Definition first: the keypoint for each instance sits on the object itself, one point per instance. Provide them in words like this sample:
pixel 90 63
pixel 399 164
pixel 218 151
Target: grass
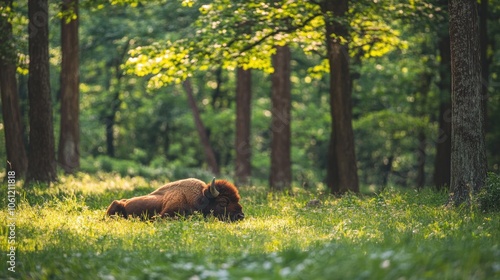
pixel 61 233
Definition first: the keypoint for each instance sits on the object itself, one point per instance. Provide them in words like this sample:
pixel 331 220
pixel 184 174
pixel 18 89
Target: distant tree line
pixel 220 49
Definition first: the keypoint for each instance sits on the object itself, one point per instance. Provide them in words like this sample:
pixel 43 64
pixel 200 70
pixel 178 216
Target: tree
pixel 423 92
pixel 485 57
pixel 342 171
pixel 14 144
pixel 200 127
pixel 69 140
pixel 243 121
pixel 41 159
pixel 468 150
pixel 443 143
pixel 431 16
pixel 244 34
pixel 113 86
pixel 281 173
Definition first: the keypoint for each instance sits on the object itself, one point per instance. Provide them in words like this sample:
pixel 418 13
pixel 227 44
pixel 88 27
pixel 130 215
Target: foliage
pixel 489 196
pixel 387 134
pixel 16 47
pixel 158 169
pixel 229 34
pixel 61 233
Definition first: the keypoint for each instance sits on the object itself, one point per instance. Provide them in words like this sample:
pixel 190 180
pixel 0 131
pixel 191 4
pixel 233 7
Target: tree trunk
pixel 468 151
pixel 421 108
pixel 281 171
pixel 443 143
pixel 243 122
pixel 342 171
pixel 14 144
pixel 109 127
pixel 386 171
pixel 421 157
pixel 69 141
pixel 113 66
pixel 485 59
pixel 110 116
pixel 41 159
pixel 207 148
pixel 216 95
pixel 110 119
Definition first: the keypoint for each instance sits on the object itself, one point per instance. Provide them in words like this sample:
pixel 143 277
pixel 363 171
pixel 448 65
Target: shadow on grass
pixel 94 201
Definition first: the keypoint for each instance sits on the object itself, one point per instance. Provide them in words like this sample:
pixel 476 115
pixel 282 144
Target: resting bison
pixel 183 197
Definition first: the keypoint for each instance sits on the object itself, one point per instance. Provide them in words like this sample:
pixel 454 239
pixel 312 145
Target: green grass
pixel 61 233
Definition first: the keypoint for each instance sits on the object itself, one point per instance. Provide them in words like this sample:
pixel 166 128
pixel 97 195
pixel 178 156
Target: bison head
pixel 223 201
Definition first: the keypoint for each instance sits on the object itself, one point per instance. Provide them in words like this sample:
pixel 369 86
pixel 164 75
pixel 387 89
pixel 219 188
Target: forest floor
pixel 61 233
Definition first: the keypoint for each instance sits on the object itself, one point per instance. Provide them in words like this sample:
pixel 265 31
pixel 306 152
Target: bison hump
pixel 190 185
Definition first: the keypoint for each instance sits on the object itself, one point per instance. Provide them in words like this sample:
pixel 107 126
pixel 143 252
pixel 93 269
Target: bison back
pixel 183 196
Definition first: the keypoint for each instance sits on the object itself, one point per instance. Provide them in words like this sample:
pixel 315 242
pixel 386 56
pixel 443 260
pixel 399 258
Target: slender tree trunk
pixel 386 171
pixel 216 95
pixel 468 151
pixel 342 171
pixel 110 118
pixel 109 127
pixel 69 140
pixel 110 122
pixel 207 148
pixel 281 170
pixel 485 59
pixel 443 143
pixel 421 157
pixel 22 90
pixel 41 159
pixel 243 122
pixel 14 144
pixel 421 108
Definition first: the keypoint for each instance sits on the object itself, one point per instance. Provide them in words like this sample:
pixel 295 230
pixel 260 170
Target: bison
pixel 183 197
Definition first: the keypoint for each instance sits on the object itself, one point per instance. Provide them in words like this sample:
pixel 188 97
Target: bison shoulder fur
pixel 183 197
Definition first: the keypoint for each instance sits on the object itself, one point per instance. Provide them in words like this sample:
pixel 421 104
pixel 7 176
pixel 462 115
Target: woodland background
pixel 136 122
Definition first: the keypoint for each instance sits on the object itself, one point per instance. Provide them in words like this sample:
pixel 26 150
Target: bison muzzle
pixel 184 197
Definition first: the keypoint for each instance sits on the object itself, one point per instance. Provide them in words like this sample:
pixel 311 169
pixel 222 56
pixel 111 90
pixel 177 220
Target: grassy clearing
pixel 61 233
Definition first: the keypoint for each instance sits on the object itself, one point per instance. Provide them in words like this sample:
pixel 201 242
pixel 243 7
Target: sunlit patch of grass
pixel 62 233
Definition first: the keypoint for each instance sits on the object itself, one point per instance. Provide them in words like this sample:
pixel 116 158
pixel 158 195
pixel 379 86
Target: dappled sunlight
pixel 342 124
pixel 86 183
pixel 281 235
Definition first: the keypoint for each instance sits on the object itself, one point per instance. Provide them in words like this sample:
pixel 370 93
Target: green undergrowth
pixel 62 233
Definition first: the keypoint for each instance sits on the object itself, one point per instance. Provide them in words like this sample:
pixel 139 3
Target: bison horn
pixel 213 189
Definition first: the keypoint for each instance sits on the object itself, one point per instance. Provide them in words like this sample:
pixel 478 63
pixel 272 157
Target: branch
pixel 276 32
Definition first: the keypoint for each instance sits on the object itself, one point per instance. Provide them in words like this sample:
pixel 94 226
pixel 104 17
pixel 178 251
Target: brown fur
pixel 182 197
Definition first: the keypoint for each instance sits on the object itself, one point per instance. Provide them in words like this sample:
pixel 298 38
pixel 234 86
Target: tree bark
pixel 421 105
pixel 342 171
pixel 485 59
pixel 443 143
pixel 69 138
pixel 243 122
pixel 113 67
pixel 41 159
pixel 14 144
pixel 421 157
pixel 216 95
pixel 386 171
pixel 207 148
pixel 110 122
pixel 468 151
pixel 281 170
